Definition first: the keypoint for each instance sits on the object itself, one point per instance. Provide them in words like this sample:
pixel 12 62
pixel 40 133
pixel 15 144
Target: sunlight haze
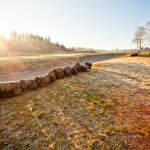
pixel 103 24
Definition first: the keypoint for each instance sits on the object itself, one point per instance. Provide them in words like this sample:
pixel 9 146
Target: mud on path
pixel 106 108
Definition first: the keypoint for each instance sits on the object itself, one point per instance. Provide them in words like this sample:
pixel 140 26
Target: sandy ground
pixel 106 108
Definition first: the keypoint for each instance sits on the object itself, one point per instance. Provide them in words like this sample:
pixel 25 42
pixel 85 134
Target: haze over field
pixel 101 24
pixel 75 75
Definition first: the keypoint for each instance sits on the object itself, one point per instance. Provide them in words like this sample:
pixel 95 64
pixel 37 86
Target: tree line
pixel 29 37
pixel 142 37
pixel 30 42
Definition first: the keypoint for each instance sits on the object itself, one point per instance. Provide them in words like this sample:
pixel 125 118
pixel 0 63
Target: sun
pixel 5 33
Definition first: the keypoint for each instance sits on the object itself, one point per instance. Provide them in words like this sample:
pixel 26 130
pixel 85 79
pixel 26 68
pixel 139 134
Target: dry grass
pixel 106 108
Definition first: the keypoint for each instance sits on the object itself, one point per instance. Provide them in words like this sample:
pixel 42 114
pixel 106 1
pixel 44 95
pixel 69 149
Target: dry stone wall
pixel 16 88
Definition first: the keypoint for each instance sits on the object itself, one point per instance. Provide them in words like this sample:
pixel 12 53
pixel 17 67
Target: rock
pixel 78 67
pixel 16 92
pixel 6 89
pixel 89 64
pixel 57 70
pixel 14 85
pixel 38 81
pixel 77 63
pixel 25 84
pixel 134 54
pixel 33 86
pixel 67 71
pixel 2 88
pixel 44 80
pixel 59 73
pixel 52 77
pixel 84 68
pixel 16 88
pixel 74 70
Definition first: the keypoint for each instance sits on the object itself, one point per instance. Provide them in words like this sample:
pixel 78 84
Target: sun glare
pixel 5 33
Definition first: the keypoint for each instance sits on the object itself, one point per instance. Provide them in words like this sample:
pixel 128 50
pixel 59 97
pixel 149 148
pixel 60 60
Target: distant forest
pixel 31 43
pixel 28 43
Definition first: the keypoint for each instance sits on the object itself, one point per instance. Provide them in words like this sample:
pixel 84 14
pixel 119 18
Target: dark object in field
pixel 16 88
pixel 89 64
pixel 10 89
pixel 67 71
pixel 134 54
pixel 59 73
pixel 78 66
pixel 23 85
pixel 74 70
pixel 44 80
pixel 28 85
pixel 33 85
pixel 84 68
pixel 17 92
pixel 38 81
pixel 52 77
pixel 77 63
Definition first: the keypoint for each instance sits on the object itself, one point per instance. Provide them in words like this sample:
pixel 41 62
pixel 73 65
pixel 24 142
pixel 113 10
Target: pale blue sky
pixel 104 24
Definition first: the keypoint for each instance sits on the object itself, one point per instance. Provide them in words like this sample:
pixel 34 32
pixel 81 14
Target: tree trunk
pixel 140 45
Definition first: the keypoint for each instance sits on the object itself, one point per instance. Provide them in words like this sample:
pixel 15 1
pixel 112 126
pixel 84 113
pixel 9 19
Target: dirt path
pixel 28 67
pixel 106 108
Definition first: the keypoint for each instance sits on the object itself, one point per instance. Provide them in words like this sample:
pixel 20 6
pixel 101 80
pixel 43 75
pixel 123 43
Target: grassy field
pixel 106 108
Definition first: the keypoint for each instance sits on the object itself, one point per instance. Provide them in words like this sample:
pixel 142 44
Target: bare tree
pixel 139 37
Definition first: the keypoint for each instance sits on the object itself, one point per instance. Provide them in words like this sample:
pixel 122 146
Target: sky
pixel 99 24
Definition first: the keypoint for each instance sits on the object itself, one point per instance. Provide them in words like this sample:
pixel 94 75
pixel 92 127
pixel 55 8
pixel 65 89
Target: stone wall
pixel 9 89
